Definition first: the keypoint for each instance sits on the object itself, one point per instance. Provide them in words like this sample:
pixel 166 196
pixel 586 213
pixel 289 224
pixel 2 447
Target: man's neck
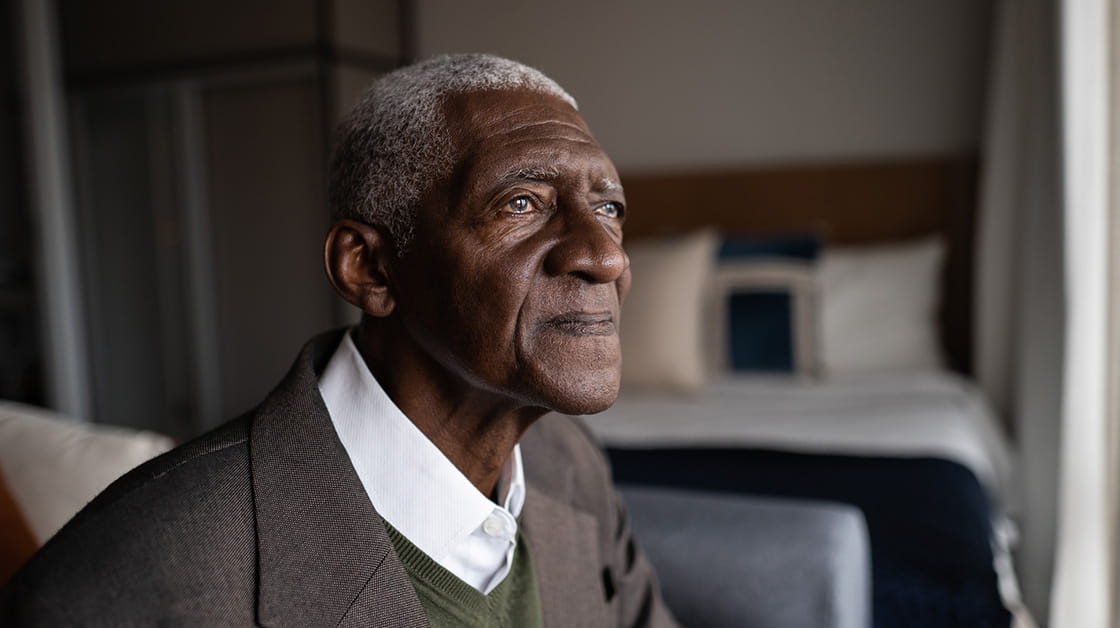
pixel 476 429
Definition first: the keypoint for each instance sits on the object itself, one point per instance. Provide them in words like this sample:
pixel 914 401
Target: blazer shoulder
pixel 213 454
pixel 182 521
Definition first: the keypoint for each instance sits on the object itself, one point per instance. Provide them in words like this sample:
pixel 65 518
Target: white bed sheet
pixel 936 414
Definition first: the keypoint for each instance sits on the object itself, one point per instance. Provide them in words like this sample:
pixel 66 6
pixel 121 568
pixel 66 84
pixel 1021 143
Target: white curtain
pixel 1019 298
pixel 1084 577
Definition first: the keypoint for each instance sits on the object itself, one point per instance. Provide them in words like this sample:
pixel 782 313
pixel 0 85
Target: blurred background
pixel 191 138
pixel 162 172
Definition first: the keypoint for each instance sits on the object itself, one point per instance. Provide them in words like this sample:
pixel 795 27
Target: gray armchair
pixel 740 561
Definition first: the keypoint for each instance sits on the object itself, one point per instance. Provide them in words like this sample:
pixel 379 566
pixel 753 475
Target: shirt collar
pixel 411 483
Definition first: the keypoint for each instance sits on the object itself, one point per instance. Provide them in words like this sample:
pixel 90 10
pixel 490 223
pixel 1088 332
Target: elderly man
pixel 401 474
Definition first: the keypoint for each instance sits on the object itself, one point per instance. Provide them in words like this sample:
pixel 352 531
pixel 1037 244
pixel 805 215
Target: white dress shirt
pixel 413 485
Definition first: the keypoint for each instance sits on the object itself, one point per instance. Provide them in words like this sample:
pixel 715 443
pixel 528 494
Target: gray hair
pixel 395 142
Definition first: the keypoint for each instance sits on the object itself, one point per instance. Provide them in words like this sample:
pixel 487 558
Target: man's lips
pixel 583 323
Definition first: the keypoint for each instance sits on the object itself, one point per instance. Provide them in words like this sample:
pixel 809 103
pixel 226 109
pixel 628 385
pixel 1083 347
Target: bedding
pixel 778 304
pixel 935 414
pixel 662 316
pixel 878 307
pixel 762 299
pixel 919 453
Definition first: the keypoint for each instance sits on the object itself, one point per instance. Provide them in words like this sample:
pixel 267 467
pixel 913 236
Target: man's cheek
pixel 622 284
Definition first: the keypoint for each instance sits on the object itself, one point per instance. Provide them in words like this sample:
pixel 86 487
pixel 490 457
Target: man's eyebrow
pixel 532 173
pixel 551 173
pixel 606 184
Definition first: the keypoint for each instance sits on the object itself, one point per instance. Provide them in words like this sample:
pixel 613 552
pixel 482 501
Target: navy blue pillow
pixel 760 331
pixel 760 327
pixel 802 247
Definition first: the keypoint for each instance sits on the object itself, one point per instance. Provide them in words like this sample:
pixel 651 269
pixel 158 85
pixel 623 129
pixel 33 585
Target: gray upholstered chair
pixel 740 561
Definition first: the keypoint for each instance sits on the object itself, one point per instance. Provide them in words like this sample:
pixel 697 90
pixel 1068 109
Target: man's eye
pixel 520 205
pixel 610 210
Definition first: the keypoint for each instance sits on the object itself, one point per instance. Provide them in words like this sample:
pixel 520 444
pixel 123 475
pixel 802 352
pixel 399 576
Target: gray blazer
pixel 264 521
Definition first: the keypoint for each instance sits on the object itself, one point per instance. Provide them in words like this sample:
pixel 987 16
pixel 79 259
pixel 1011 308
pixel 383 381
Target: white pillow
pixel 663 315
pixel 878 307
pixel 54 466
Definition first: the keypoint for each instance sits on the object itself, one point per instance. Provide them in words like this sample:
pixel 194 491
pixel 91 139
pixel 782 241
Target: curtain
pixel 1019 299
pixel 1085 571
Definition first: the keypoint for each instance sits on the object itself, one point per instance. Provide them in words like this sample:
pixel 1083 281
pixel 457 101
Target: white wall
pixel 668 84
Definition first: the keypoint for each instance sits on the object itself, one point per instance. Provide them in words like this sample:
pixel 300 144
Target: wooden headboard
pixel 845 203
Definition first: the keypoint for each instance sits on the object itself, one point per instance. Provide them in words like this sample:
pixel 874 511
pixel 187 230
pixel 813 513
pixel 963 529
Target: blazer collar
pixel 564 545
pixel 324 556
pixel 563 539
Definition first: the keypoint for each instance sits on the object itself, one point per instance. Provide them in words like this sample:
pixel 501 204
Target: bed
pixel 920 455
pixel 805 332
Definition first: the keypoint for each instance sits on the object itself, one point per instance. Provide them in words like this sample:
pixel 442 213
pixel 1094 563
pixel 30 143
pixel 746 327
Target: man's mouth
pixel 584 324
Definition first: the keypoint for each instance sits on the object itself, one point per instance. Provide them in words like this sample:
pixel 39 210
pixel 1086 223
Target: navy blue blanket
pixel 928 520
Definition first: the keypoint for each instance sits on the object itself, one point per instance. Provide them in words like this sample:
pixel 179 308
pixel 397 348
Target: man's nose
pixel 587 248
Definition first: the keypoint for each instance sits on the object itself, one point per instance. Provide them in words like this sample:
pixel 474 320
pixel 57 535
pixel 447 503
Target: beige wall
pixel 669 84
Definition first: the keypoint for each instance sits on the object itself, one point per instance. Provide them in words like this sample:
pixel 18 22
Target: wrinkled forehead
pixel 476 116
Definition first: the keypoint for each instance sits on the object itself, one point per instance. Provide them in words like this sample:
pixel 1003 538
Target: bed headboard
pixel 845 203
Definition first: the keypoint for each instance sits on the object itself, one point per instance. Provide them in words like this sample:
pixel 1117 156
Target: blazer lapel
pixel 565 550
pixel 324 556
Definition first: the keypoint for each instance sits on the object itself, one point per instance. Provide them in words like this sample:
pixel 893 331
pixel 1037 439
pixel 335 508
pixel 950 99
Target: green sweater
pixel 449 602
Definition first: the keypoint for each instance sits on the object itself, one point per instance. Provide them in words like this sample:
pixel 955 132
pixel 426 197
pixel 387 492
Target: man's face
pixel 514 282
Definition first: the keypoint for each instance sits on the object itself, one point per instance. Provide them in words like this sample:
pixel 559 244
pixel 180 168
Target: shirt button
pixel 493 526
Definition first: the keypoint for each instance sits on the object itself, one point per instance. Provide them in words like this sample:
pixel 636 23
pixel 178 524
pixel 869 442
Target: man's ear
pixel 356 257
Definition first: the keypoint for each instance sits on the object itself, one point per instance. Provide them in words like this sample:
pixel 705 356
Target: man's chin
pixel 586 401
pixel 573 386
